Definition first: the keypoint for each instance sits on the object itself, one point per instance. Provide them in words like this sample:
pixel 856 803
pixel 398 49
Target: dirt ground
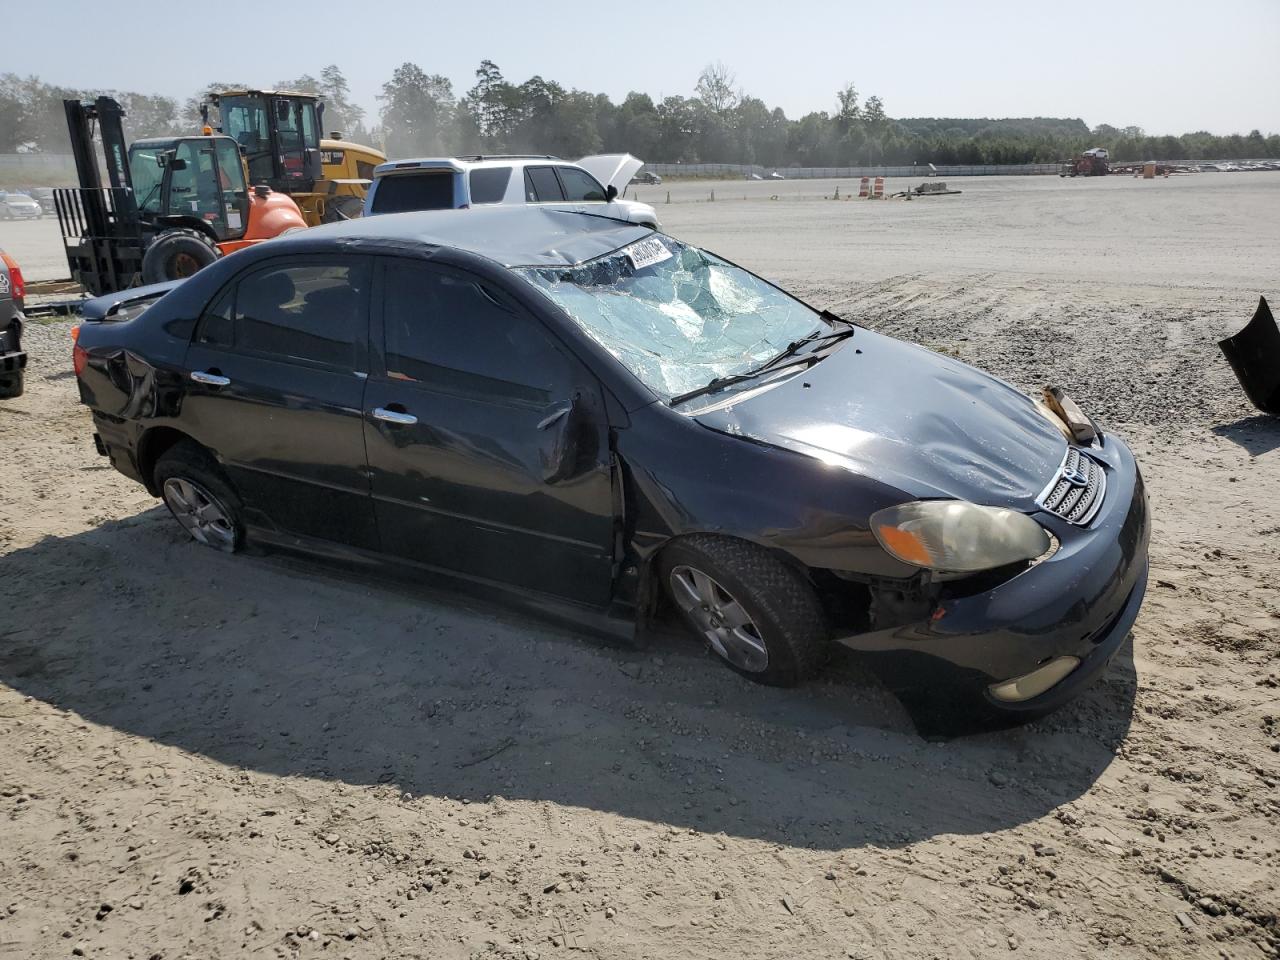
pixel 206 756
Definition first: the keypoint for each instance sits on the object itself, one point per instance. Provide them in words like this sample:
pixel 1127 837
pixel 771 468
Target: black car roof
pixel 511 236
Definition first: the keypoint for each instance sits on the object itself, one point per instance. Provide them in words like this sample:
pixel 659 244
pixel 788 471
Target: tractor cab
pixel 278 133
pixel 181 179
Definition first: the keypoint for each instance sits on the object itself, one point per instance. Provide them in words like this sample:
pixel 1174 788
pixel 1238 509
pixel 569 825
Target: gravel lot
pixel 208 756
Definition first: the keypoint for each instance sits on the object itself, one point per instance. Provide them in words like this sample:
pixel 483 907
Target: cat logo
pixel 331 157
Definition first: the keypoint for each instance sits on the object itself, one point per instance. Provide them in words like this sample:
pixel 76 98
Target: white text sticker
pixel 647 252
pixel 4 283
pixel 233 219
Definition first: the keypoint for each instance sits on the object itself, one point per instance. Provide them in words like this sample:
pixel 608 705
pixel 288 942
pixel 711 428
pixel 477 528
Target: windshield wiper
pixel 718 383
pixel 792 348
pixel 789 352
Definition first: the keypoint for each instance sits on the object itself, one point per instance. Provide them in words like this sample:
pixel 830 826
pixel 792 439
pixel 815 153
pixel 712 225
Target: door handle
pixel 394 416
pixel 211 379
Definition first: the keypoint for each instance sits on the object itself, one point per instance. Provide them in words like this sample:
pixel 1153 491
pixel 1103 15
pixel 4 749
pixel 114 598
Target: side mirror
pixel 570 440
pixel 610 192
pixel 282 111
pixel 177 163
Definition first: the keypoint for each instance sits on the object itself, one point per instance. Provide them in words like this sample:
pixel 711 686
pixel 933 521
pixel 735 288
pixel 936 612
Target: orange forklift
pixel 172 205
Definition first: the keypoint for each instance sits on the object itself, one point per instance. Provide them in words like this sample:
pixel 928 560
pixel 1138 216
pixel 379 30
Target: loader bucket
pixel 1254 355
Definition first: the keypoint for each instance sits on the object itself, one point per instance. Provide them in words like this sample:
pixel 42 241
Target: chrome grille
pixel 1075 494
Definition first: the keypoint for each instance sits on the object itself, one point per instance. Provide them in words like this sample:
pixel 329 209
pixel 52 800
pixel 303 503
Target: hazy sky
pixel 1169 66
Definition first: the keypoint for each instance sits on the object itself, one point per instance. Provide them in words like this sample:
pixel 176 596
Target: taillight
pixel 79 359
pixel 18 285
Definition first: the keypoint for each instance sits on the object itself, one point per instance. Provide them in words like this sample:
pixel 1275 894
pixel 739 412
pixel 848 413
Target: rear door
pixel 462 406
pixel 276 382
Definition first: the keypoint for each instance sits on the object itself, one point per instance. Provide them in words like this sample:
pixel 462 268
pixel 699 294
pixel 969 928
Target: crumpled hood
pixel 916 420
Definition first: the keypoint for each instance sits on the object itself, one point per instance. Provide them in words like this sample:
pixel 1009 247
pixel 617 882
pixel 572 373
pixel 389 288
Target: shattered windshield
pixel 676 316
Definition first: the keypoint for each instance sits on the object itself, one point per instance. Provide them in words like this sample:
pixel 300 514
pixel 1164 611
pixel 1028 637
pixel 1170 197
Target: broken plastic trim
pixel 1254 355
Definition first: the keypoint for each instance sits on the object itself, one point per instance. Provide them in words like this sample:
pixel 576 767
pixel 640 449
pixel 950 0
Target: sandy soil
pixel 207 756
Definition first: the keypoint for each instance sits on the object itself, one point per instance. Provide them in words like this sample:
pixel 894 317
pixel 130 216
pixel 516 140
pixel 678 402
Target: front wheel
pixel 758 615
pixel 199 497
pixel 11 385
pixel 176 254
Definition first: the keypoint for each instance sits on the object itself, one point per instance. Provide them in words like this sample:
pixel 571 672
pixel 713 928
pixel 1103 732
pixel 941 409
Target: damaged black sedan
pixel 574 408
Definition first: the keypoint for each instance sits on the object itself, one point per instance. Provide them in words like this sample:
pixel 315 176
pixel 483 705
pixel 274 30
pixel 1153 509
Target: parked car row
pixel 1238 167
pixel 583 411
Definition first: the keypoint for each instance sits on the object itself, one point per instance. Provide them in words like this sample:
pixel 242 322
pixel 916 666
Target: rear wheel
pixel 176 254
pixel 757 614
pixel 11 385
pixel 199 497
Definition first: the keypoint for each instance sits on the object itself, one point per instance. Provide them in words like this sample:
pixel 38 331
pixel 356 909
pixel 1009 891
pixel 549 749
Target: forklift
pixel 172 205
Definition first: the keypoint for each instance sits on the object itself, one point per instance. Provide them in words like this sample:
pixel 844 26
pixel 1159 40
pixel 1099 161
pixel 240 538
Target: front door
pixel 566 188
pixel 460 425
pixel 277 375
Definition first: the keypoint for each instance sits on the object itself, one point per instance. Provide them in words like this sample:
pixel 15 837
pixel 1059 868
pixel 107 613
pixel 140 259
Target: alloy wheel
pixel 200 513
pixel 720 618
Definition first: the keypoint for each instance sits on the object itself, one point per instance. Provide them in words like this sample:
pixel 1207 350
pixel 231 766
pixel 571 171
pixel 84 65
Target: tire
pixel 176 254
pixel 200 497
pixel 784 639
pixel 11 385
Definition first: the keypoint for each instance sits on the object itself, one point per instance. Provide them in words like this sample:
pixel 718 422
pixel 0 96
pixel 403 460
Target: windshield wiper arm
pixel 789 352
pixel 718 383
pixel 794 346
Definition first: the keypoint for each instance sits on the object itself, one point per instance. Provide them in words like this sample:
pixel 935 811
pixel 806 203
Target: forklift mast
pixel 100 225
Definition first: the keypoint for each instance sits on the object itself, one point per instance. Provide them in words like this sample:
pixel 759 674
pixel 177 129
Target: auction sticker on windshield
pixel 647 252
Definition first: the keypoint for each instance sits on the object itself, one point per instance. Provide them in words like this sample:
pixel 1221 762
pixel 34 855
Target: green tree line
pixel 421 114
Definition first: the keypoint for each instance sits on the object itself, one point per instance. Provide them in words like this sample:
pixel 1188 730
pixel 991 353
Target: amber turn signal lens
pixel 905 545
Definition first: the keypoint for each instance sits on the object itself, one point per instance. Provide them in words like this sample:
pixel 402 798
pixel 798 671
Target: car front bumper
pixel 1081 603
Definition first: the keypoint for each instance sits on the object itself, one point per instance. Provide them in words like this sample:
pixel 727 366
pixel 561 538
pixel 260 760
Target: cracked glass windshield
pixel 676 316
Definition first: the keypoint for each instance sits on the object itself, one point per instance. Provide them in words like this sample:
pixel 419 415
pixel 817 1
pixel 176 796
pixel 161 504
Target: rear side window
pixel 402 192
pixel 489 184
pixel 311 313
pixel 447 330
pixel 580 185
pixel 541 185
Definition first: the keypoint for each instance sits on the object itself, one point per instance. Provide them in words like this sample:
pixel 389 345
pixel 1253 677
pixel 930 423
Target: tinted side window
pixel 216 327
pixel 580 185
pixel 541 185
pixel 401 192
pixel 313 313
pixel 489 184
pixel 447 330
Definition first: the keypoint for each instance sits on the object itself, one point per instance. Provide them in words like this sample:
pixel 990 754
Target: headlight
pixel 957 536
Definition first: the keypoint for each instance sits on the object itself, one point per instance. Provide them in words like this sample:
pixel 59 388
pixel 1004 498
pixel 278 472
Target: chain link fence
pixel 738 171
